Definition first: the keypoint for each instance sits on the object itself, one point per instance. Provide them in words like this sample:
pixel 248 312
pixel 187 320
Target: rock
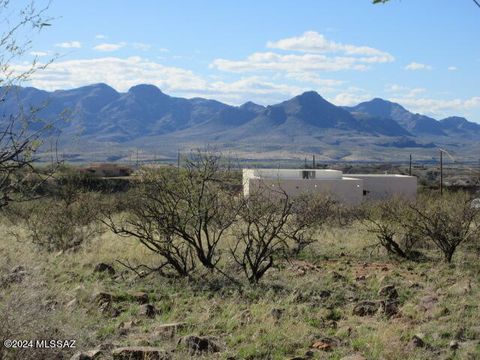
pixel 277 313
pixel 389 308
pixel 197 344
pixel 365 308
pixel 326 344
pixel 16 276
pixel 337 276
pixel 106 347
pixel 416 342
pixel 325 294
pixel 354 357
pixel 389 292
pixel 88 355
pixel 105 304
pixel 140 297
pixel 140 353
pixel 309 354
pixel 454 345
pixel 428 302
pixel 125 326
pixel 104 268
pixel 102 297
pixel 169 329
pixel 148 310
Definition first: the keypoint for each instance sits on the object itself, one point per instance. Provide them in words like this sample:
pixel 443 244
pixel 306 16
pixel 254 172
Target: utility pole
pixel 305 163
pixel 441 172
pixel 410 166
pixel 178 158
pixel 314 162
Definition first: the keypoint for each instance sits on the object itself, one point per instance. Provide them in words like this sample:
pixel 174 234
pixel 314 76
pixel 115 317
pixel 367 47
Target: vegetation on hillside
pixel 182 263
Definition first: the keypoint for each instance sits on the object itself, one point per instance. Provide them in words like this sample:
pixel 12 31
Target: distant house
pixel 107 170
pixel 351 189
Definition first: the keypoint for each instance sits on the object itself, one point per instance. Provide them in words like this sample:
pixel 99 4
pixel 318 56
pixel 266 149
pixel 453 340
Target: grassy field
pixel 303 309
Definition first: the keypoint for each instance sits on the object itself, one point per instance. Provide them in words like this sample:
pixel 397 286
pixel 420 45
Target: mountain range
pixel 101 123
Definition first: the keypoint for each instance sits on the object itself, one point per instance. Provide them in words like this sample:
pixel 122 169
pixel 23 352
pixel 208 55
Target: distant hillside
pixel 99 117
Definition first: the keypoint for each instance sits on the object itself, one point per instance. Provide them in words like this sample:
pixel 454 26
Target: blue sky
pixel 423 54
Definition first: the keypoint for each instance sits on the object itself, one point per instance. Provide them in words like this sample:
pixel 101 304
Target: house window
pixel 308 174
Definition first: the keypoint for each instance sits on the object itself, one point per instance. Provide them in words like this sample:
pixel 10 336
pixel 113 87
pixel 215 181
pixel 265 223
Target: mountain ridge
pixel 98 113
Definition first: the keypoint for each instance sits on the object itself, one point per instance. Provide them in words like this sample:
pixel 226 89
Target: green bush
pixel 59 224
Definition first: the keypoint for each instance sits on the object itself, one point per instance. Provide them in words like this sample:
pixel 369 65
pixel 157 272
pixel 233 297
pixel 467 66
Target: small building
pixel 351 189
pixel 107 170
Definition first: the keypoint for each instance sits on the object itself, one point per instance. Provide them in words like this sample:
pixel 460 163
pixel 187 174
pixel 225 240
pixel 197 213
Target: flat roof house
pixel 351 189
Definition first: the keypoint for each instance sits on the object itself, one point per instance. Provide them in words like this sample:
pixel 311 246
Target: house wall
pixel 350 190
pixel 346 190
pixel 379 187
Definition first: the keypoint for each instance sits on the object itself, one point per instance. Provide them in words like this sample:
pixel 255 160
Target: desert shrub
pixel 273 226
pixel 261 234
pixel 60 224
pixel 63 218
pixel 309 212
pixel 386 220
pixel 447 221
pixel 182 213
pixel 136 215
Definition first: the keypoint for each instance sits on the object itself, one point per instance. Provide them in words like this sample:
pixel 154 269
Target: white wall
pixel 347 190
pixel 386 186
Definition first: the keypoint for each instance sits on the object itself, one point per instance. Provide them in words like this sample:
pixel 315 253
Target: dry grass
pixel 341 262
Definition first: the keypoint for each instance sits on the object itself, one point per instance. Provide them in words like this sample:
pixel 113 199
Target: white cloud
pixel 141 46
pixel 100 36
pixel 123 73
pixel 315 48
pixel 439 107
pixel 314 79
pixel 164 50
pixel 291 63
pixel 70 45
pixel 108 47
pixel 350 96
pixel 39 53
pixel 452 68
pixel 404 91
pixel 414 66
pixel 313 42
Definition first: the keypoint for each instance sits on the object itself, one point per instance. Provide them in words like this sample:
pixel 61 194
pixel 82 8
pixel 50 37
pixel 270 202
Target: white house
pixel 351 189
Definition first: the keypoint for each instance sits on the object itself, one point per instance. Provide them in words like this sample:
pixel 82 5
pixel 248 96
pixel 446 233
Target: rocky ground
pixel 344 299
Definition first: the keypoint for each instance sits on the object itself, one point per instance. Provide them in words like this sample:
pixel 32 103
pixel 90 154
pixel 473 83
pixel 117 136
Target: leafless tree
pixel 21 132
pixel 145 221
pixel 261 233
pixel 387 221
pixel 446 221
pixel 183 213
pixel 309 213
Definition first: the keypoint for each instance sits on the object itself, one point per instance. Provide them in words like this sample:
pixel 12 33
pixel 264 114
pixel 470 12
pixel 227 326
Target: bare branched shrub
pixel 145 221
pixel 261 235
pixel 22 132
pixel 182 214
pixel 386 220
pixel 64 220
pixel 447 221
pixel 309 213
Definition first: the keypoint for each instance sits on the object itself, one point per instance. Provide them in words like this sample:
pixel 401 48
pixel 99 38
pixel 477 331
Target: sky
pixel 424 54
